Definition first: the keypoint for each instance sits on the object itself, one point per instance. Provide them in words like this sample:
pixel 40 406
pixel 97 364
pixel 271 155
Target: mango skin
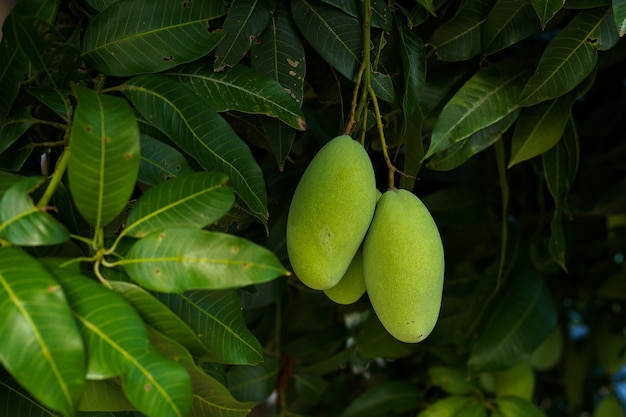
pixel 331 210
pixel 352 285
pixel 403 263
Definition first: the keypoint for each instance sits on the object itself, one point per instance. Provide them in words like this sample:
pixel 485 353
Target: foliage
pixel 149 152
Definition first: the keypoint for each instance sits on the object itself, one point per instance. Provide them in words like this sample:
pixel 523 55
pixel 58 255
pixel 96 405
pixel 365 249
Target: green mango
pixel 331 210
pixel 549 352
pixel 403 265
pixel 518 381
pixel 352 285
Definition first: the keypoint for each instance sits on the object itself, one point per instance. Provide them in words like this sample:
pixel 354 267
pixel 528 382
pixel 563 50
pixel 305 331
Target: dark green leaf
pixel 57 101
pixel 414 148
pixel 25 224
pixel 200 132
pixel 242 89
pixel 567 60
pixel 100 5
pixel 557 242
pixel 310 387
pixel 373 341
pixel 384 397
pixel 245 21
pixel 183 259
pixel 607 35
pixel 523 318
pixel 508 22
pixel 40 344
pixel 253 383
pixel 133 37
pixel 546 9
pixel 192 200
pixel 414 66
pixel 104 159
pixel 13 397
pixel 216 317
pixel 13 127
pixel 381 16
pixel 160 162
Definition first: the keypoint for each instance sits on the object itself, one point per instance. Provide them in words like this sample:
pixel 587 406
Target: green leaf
pixel 460 152
pixel 380 12
pixel 458 39
pixel 451 380
pixel 619 15
pixel 567 60
pixel 539 128
pixel 413 148
pixel 384 397
pixel 13 127
pixel 413 56
pixel 118 345
pixel 14 397
pixel 449 406
pixel 245 21
pixel 25 224
pixel 104 160
pixel 517 407
pixel 99 5
pixel 40 344
pixel 487 97
pixel 523 317
pixel 373 341
pixel 309 387
pixel 183 259
pixel 160 161
pixel 242 89
pixel 192 200
pixel 336 36
pixel 104 395
pixel 201 133
pixel 133 37
pixel 210 397
pixel 546 9
pixel 217 319
pixel 508 22
pixel 57 101
pixel 253 383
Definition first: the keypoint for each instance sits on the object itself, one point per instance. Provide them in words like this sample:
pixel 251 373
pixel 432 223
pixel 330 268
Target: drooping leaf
pixel 104 158
pixel 117 344
pixel 133 37
pixel 242 89
pixel 217 319
pixel 384 397
pixel 414 148
pixel 508 22
pixel 413 56
pixel 245 21
pixel 567 60
pixel 546 9
pixel 524 316
pixel 201 133
pixel 458 39
pixel 182 259
pixel 210 397
pixel 104 395
pixel 540 127
pixel 619 15
pixel 254 383
pixel 487 97
pixel 192 200
pixel 160 162
pixel 40 344
pixel 23 223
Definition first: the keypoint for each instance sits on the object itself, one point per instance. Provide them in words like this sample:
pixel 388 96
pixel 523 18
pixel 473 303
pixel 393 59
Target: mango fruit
pixel 518 381
pixel 352 285
pixel 403 264
pixel 331 210
pixel 549 352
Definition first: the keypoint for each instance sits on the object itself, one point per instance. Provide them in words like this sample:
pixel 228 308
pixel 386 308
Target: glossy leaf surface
pixel 546 9
pixel 160 161
pixel 508 22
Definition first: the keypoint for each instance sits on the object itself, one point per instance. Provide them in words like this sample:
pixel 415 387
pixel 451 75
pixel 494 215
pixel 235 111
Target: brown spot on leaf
pixel 147 387
pixel 234 249
pixel 168 58
pixel 128 156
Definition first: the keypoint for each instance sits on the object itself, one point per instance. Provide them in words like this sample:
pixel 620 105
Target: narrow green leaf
pixel 381 15
pixel 40 344
pixel 508 22
pixel 104 395
pixel 118 345
pixel 201 133
pixel 13 127
pixel 540 127
pixel 487 97
pixel 512 406
pixel 546 9
pixel 254 383
pixel 572 147
pixel 384 397
pixel 25 224
pixel 557 243
pixel 567 60
pixel 160 162
pixel 192 200
pixel 458 39
pixel 336 36
pixel 245 21
pixel 104 159
pixel 413 56
pixel 13 397
pixel 216 317
pixel 210 397
pixel 413 148
pixel 133 37
pixel 523 318
pixel 183 259
pixel 242 89
pixel 619 15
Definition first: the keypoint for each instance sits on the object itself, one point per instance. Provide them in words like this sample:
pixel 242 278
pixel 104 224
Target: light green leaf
pixel 210 397
pixel 183 259
pixel 449 406
pixel 217 319
pixel 104 158
pixel 567 60
pixel 384 397
pixel 133 37
pixel 523 317
pixel 192 200
pixel 254 383
pixel 160 161
pixel 517 407
pixel 40 344
pixel 336 36
pixel 546 9
pixel 242 89
pixel 245 21
pixel 201 133
pixel 487 97
pixel 118 345
pixel 104 395
pixel 619 15
pixel 452 380
pixel 23 223
pixel 508 22
pixel 458 39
